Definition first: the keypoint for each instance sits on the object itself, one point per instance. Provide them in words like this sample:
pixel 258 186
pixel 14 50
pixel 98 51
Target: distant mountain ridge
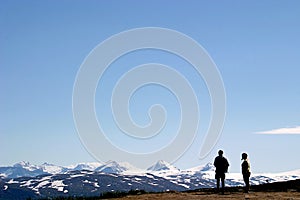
pixel 25 169
pixel 161 168
pixel 24 180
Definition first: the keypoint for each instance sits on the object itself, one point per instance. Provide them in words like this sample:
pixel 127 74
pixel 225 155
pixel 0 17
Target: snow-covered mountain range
pixel 25 169
pixel 92 179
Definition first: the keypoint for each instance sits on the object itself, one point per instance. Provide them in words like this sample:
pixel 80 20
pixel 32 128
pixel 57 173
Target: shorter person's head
pixel 220 152
pixel 244 156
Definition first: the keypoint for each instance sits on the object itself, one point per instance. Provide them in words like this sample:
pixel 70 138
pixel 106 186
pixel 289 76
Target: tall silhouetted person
pixel 246 171
pixel 221 164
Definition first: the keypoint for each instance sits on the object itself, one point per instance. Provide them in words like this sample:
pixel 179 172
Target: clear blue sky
pixel 255 45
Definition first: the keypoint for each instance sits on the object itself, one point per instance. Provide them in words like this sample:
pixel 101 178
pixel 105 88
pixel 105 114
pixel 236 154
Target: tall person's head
pixel 220 153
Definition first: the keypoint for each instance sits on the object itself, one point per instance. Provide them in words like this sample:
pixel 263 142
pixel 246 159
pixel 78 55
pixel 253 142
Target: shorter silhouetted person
pixel 246 171
pixel 221 164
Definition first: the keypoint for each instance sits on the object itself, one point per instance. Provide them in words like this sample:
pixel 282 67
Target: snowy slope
pixel 52 169
pixel 81 183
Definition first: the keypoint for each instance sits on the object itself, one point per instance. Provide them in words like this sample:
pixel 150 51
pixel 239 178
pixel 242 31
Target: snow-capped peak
pixel 162 166
pixel 209 167
pixel 25 165
pixel 112 167
pixel 86 166
pixel 22 164
pixel 51 168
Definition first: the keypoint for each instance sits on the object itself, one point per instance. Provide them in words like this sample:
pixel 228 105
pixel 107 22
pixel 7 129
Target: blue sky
pixel 255 46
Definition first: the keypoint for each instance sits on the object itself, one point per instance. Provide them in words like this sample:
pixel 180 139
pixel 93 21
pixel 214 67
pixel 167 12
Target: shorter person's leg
pixel 247 185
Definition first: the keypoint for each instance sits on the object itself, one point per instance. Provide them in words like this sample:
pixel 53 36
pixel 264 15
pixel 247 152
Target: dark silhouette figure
pixel 221 164
pixel 246 171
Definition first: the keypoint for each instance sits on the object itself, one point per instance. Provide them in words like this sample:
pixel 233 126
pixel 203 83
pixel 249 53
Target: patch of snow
pixel 155 184
pixel 58 184
pixel 35 190
pixel 46 178
pixel 43 183
pixel 11 181
pixel 113 175
pixel 184 185
pixel 187 180
pixel 5 187
pixel 76 175
pixel 27 183
pixel 166 173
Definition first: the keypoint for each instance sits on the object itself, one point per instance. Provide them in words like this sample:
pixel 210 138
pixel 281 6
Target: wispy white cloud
pixel 282 131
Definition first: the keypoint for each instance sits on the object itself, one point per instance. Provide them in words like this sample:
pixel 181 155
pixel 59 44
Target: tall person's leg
pixel 223 185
